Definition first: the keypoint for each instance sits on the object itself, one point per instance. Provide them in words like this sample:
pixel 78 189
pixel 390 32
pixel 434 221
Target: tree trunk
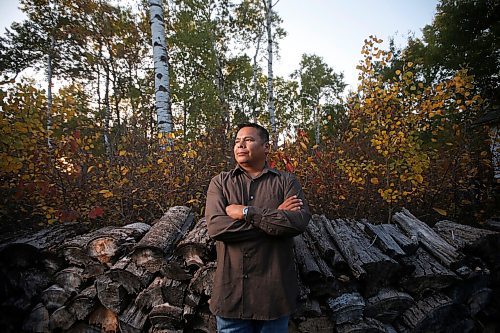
pixel 255 67
pixel 49 91
pixel 270 95
pixel 160 56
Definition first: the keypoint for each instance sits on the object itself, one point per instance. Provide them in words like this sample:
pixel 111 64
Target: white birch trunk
pixel 160 57
pixel 317 121
pixel 255 68
pixel 49 91
pixel 107 116
pixel 270 95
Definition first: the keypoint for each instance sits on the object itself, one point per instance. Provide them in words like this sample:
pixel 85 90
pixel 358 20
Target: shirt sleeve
pixel 220 226
pixel 283 223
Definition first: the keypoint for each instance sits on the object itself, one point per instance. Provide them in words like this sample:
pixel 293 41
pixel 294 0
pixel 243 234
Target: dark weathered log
pixel 203 322
pixel 174 292
pixel 430 240
pixel 54 297
pixel 368 325
pixel 83 327
pixel 316 325
pixel 347 308
pixel 467 238
pixel 429 275
pixel 436 313
pixel 83 303
pixel 387 305
pixel 308 267
pixel 308 308
pixel 165 234
pixel 75 249
pixel 320 239
pixel 106 246
pixel 367 262
pixel 384 240
pixel 479 300
pixel 191 299
pixel 197 247
pixel 166 316
pixel 70 279
pixel 202 281
pixel 104 318
pixel 61 319
pixel 114 295
pixel 493 223
pixel 135 315
pixel 408 245
pixel 338 262
pixel 38 320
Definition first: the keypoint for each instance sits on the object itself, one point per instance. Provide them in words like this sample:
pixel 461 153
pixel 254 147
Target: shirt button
pixel 245 276
pixel 251 197
pixel 246 255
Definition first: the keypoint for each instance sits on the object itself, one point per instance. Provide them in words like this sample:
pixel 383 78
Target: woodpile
pixel 354 277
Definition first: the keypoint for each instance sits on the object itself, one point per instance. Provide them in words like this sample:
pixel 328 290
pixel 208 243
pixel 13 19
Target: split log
pixel 322 243
pixel 493 223
pixel 408 245
pixel 384 240
pixel 316 325
pixel 166 316
pixel 104 318
pixel 75 250
pixel 70 279
pixel 312 266
pixel 482 242
pixel 54 297
pixel 430 240
pixel 38 320
pixel 479 300
pixel 387 305
pixel 108 245
pixel 338 262
pixel 347 308
pixel 165 233
pixel 197 247
pixel 61 319
pixel 436 313
pixel 429 275
pixel 368 325
pixel 83 303
pixel 366 261
pixel 135 315
pixel 174 291
pixel 202 281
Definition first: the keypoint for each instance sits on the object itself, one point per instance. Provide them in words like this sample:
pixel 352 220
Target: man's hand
pixel 235 211
pixel 291 203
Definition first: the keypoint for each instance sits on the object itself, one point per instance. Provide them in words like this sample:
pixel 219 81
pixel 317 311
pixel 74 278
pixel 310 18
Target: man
pixel 253 212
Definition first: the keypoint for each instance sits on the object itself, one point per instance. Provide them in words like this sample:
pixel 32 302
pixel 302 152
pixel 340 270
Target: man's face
pixel 249 148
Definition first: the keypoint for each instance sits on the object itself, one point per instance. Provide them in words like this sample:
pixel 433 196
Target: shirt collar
pixel 238 169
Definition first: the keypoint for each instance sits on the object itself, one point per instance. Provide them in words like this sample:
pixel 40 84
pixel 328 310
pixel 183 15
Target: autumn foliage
pixel 404 142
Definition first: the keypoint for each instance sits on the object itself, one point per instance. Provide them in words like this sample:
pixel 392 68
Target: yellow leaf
pixel 303 145
pixel 374 180
pixel 398 72
pixel 103 191
pixel 419 178
pixel 440 211
pixel 160 161
pixel 122 152
pixel 90 168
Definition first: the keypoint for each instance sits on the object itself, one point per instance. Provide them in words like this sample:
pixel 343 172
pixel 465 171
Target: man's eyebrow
pixel 245 137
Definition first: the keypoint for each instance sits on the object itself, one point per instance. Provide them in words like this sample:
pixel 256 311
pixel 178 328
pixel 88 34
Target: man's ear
pixel 267 147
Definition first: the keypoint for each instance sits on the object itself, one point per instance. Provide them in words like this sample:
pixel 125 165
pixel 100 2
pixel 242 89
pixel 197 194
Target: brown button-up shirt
pixel 256 276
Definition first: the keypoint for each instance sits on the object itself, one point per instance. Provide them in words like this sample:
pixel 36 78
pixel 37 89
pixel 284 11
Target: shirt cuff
pixel 254 216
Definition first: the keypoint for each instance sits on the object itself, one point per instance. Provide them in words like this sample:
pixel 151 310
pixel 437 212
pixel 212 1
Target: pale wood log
pixel 430 240
pixel 104 318
pixel 347 308
pixel 387 305
pixel 429 275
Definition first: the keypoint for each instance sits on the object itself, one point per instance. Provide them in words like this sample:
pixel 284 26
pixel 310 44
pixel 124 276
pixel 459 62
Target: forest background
pixel 95 152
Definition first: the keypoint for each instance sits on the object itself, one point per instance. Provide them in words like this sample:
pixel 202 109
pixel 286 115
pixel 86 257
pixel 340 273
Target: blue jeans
pixel 227 325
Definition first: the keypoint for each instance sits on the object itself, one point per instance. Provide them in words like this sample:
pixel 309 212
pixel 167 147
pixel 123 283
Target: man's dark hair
pixel 263 133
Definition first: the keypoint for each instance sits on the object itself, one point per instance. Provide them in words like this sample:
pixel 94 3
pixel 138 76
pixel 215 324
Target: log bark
pixel 316 325
pixel 436 313
pixel 429 275
pixel 368 325
pixel 384 240
pixel 366 261
pixel 54 297
pixel 197 247
pixel 38 320
pixel 83 304
pixel 430 240
pixel 387 305
pixel 347 308
pixel 166 316
pixel 338 262
pixel 104 318
pixel 467 238
pixel 70 279
pixel 202 281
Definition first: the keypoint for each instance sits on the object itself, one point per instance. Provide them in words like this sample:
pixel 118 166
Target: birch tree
pixel 160 57
pixel 270 96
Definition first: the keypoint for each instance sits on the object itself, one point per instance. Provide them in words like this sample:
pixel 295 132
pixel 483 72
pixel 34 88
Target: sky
pixel 332 29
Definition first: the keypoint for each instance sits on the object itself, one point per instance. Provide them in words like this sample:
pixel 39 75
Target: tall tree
pixel 319 86
pixel 160 56
pixel 270 96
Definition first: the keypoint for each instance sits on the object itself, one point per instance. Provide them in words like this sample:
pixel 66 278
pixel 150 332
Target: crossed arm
pixel 226 222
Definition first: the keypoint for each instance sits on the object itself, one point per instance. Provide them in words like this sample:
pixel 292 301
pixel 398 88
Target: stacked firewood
pixel 354 277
